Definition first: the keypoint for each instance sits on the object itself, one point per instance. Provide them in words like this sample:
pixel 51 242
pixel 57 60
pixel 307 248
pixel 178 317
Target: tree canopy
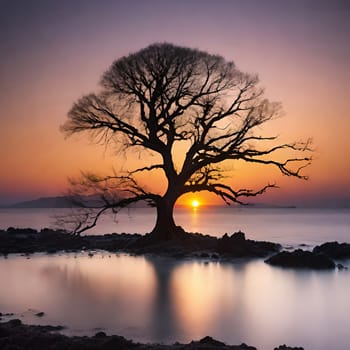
pixel 164 95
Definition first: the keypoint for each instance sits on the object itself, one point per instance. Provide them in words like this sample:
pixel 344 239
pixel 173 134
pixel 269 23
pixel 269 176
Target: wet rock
pixel 15 322
pixel 341 267
pixel 15 335
pixel 18 336
pixel 301 259
pixel 210 341
pixel 100 335
pixel 207 343
pixel 238 237
pixel 49 328
pixel 28 241
pixel 334 250
pixel 235 244
pixel 238 246
pixel 178 255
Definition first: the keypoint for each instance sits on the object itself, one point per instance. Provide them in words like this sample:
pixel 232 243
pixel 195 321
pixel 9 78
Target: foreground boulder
pixel 238 246
pixel 334 250
pixel 301 259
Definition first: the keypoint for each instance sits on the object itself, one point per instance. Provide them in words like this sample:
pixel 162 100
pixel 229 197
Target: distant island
pixel 69 202
pixel 46 202
pixel 61 202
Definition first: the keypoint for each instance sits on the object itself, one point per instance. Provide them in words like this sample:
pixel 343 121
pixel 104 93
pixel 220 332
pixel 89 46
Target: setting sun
pixel 195 204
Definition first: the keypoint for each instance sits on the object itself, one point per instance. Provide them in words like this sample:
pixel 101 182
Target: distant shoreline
pixel 66 202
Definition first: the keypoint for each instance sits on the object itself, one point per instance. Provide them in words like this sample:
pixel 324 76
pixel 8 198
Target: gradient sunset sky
pixel 53 52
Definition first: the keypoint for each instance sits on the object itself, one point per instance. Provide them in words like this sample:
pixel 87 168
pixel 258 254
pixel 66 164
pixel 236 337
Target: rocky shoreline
pixel 27 241
pixel 188 245
pixel 16 335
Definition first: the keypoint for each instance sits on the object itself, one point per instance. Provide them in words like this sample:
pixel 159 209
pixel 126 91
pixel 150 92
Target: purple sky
pixel 53 52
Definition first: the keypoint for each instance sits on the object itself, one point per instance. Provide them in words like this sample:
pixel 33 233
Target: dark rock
pixel 244 346
pixel 204 255
pixel 334 250
pixel 341 267
pixel 28 241
pixel 238 246
pixel 235 244
pixel 15 322
pixel 301 259
pixel 100 335
pixel 238 237
pixel 215 256
pixel 210 341
pixel 178 255
pixel 17 336
pixel 49 328
pixel 40 314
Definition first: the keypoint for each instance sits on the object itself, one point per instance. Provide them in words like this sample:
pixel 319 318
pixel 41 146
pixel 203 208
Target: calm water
pixel 163 300
pixel 286 226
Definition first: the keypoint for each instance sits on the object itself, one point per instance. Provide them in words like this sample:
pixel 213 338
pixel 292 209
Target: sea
pixel 164 300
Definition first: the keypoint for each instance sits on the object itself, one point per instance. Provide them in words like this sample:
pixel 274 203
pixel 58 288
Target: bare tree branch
pixel 165 95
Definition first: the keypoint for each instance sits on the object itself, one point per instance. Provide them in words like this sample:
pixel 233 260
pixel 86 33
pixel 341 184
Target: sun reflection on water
pixel 199 296
pixel 154 299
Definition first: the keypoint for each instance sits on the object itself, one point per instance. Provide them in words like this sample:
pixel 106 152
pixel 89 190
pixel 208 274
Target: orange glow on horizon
pixel 197 200
pixel 195 204
pixel 40 88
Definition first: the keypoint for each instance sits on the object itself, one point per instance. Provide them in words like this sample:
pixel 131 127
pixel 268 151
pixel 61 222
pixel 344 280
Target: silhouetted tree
pixel 165 95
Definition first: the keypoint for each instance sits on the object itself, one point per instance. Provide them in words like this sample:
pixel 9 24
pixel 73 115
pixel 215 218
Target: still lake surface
pixel 154 299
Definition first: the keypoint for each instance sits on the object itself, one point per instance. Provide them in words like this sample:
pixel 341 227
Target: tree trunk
pixel 165 228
